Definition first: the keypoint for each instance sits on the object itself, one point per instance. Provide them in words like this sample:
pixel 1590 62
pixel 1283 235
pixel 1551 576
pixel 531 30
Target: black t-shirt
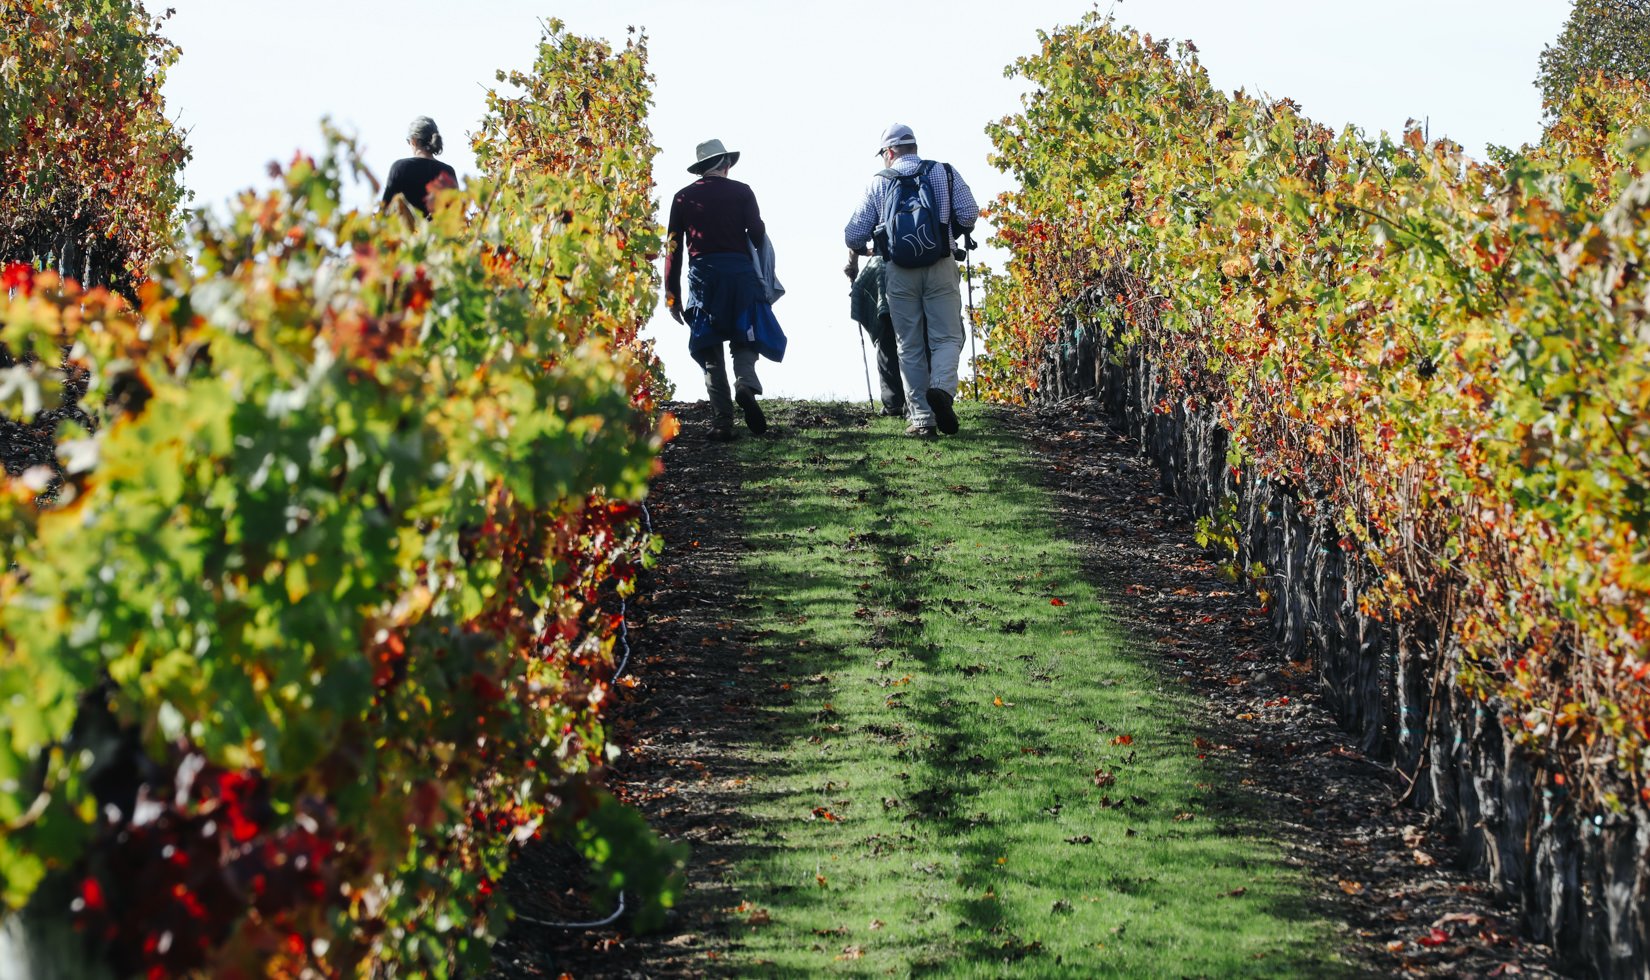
pixel 412 176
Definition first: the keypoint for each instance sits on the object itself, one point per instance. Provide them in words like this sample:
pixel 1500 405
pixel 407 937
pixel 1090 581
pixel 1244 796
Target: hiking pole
pixel 865 360
pixel 973 347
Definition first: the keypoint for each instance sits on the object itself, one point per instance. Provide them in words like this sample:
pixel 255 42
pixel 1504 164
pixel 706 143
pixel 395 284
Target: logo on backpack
pixel 911 234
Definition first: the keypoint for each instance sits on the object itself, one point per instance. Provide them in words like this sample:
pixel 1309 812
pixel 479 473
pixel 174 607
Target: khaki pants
pixel 926 307
pixel 716 377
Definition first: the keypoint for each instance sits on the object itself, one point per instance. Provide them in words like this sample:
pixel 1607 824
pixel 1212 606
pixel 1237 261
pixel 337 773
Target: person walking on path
pixel 912 213
pixel 728 302
pixel 870 310
pixel 419 176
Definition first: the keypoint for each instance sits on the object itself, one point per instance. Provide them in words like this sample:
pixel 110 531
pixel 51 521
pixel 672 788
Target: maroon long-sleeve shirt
pixel 714 214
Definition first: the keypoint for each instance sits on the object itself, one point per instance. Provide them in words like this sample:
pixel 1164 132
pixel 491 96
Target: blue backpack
pixel 911 234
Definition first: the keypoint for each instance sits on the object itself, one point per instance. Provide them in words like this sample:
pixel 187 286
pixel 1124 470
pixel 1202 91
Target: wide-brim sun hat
pixel 712 156
pixel 898 134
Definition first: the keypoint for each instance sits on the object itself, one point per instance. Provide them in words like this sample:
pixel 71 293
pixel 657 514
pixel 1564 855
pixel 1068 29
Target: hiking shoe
pixel 720 433
pixel 920 431
pixel 944 415
pixel 754 418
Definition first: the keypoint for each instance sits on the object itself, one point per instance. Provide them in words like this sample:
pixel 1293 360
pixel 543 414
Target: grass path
pixel 969 771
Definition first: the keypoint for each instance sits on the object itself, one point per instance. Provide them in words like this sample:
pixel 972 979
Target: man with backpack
pixel 869 306
pixel 911 215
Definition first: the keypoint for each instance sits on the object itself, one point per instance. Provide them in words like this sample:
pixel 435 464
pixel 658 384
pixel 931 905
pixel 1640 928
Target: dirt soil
pixel 1374 865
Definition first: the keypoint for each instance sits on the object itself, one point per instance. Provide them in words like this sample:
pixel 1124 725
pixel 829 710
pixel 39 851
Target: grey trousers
pixel 716 377
pixel 929 298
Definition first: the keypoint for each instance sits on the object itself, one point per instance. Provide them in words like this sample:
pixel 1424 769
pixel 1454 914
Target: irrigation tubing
pixel 597 924
pixel 618 672
pixel 624 609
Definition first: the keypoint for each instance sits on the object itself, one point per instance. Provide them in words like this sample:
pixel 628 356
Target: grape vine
pixel 1448 357
pixel 317 631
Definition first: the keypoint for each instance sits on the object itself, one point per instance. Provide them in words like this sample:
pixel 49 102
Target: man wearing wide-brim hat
pixel 727 302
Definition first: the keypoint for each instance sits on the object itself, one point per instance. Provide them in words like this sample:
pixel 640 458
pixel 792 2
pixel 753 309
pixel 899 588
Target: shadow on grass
pixel 845 585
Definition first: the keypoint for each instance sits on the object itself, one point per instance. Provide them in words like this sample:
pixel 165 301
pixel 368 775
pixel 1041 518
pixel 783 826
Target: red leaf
pixel 1436 937
pixel 1057 602
pixel 19 276
pixel 91 892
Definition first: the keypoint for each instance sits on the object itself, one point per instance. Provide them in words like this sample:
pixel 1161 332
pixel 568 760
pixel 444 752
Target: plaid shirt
pixel 869 212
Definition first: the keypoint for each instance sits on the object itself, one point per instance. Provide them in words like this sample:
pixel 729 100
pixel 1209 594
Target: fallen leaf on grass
pixel 1183 817
pixel 1238 892
pixel 1057 602
pixel 1103 778
pixel 1083 839
pixel 1123 740
pixel 851 953
pixel 821 813
pixel 760 917
pixel 1352 887
pixel 876 924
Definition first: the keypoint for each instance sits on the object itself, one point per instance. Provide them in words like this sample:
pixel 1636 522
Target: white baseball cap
pixel 898 134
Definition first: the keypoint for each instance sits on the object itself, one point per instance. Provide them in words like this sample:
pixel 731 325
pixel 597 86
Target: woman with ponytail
pixel 419 176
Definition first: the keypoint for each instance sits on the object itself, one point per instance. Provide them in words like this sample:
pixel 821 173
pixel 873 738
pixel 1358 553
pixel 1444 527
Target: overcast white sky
pixel 803 90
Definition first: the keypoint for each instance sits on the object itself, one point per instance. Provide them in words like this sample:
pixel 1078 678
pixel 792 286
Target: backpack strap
pixel 921 171
pixel 951 210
